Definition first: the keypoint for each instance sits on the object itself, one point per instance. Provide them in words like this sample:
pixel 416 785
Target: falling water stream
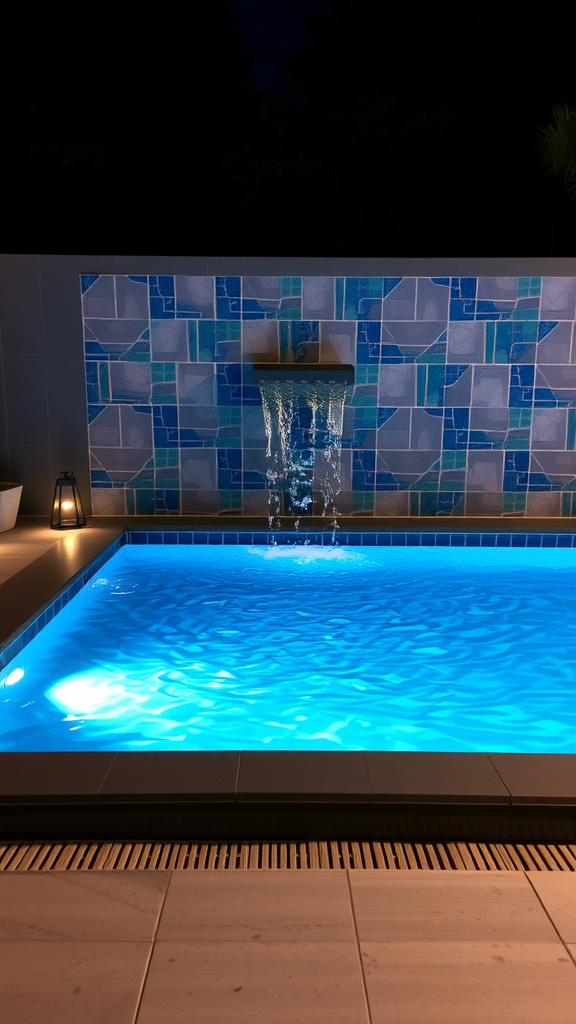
pixel 303 421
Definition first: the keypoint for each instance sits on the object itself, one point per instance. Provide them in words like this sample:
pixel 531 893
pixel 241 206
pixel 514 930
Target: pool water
pixel 305 648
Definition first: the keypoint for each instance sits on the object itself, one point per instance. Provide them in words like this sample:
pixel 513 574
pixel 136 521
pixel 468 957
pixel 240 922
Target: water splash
pixel 303 421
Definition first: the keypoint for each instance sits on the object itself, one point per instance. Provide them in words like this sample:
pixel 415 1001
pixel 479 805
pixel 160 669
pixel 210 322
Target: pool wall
pixel 464 400
pixel 271 794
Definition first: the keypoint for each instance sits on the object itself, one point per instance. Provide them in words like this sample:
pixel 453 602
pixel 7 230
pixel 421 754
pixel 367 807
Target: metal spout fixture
pixel 340 373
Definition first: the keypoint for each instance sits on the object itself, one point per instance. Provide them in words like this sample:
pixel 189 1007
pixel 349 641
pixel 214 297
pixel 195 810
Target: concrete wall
pixel 43 417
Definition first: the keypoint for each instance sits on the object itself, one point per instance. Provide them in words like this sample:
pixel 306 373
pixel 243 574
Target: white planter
pixel 10 495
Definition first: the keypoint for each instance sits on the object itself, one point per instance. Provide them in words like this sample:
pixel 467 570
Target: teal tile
pixel 365 418
pixel 516 442
pixel 290 309
pixel 163 480
pixel 435 354
pixel 436 381
pixel 339 299
pixel 104 381
pixel 163 373
pixel 454 460
pixel 526 313
pixel 490 336
pixel 165 457
pixel 361 398
pixel 229 501
pixel 367 373
pixel 193 340
pixel 164 394
pixel 137 353
pixel 229 416
pixel 421 374
pixel 568 503
pixel 291 286
pixel 226 440
pixel 571 431
pixel 428 505
pixel 519 418
pixel 513 503
pixel 452 481
pixel 362 501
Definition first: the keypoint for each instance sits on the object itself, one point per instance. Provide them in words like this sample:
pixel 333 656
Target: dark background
pixel 303 128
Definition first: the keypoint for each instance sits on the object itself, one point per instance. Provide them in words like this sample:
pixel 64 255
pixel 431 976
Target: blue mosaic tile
pixel 363 298
pixel 123 375
pixel 229 383
pixel 368 342
pixel 162 298
pixel 545 327
pixel 228 302
pixel 390 284
pixel 87 280
pixel 463 287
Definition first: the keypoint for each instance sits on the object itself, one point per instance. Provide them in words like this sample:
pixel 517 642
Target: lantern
pixel 67 511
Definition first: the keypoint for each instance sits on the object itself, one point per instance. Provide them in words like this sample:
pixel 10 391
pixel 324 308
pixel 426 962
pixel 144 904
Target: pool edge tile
pixel 302 776
pixel 53 777
pixel 171 776
pixel 534 779
pixel 434 777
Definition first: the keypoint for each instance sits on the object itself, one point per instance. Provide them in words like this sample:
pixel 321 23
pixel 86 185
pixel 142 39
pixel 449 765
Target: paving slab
pixel 81 905
pixel 75 982
pixel 447 906
pixel 557 892
pixel 469 983
pixel 312 906
pixel 256 982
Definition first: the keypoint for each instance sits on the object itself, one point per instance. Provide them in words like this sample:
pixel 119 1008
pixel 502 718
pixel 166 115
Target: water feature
pixel 303 409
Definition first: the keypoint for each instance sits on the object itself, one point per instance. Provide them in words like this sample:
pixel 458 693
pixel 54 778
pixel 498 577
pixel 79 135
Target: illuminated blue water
pixel 306 648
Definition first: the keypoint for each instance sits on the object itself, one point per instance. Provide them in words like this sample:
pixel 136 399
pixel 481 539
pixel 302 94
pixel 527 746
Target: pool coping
pixel 259 795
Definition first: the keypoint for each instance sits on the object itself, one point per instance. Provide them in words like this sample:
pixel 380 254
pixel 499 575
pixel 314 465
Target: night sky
pixel 270 127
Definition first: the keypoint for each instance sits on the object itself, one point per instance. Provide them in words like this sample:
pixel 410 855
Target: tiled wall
pixel 464 402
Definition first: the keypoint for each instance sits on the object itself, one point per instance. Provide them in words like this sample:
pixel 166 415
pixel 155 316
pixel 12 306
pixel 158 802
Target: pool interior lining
pixel 412 797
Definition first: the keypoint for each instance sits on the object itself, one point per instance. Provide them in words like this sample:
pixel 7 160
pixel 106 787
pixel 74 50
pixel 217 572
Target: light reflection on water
pixel 305 648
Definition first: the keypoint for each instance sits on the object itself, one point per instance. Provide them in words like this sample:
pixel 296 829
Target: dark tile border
pixel 349 538
pixel 285 794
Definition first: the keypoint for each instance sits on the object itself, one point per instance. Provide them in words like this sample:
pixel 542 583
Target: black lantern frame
pixel 67 510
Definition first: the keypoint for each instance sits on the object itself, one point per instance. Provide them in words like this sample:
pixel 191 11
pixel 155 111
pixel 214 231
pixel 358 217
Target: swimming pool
pixel 462 646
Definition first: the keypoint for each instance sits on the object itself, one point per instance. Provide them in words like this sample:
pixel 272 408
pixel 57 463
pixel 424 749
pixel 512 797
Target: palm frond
pixel 558 144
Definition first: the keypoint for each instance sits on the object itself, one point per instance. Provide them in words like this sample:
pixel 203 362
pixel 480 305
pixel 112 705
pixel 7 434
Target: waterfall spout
pixel 303 407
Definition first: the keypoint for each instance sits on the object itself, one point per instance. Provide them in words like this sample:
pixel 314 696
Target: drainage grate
pixel 296 856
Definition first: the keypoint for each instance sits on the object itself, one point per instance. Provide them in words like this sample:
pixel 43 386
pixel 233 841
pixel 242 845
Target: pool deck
pixel 263 794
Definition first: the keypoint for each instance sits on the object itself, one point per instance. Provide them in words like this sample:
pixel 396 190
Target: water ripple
pixel 305 649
